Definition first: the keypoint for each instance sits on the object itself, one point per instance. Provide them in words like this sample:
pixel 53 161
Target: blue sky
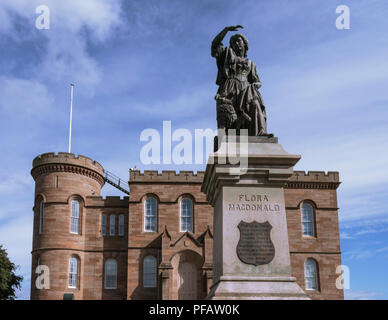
pixel 137 63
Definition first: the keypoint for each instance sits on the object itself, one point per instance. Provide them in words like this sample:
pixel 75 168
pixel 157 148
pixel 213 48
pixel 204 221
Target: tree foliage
pixel 9 281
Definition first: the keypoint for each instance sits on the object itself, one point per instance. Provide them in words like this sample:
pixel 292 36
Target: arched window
pixel 149 272
pixel 110 274
pixel 103 225
pixel 74 224
pixel 112 224
pixel 311 274
pixel 308 221
pixel 73 272
pixel 186 215
pixel 41 216
pixel 150 215
pixel 121 225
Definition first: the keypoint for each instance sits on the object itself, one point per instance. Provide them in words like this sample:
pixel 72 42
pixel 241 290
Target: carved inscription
pixel 255 245
pixel 255 202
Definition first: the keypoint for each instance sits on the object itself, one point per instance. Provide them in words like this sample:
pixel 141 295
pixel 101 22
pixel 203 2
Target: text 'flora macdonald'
pixel 254 202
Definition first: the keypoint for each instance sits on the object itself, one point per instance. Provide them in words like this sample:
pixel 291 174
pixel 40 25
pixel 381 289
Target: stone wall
pixel 319 190
pixel 168 188
pixel 63 177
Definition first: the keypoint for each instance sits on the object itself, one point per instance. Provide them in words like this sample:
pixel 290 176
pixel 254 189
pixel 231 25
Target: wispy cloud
pixel 13 183
pixel 351 229
pixel 64 47
pixel 23 97
pixel 364 252
pixel 16 237
pixel 362 295
pixel 136 63
pixel 186 104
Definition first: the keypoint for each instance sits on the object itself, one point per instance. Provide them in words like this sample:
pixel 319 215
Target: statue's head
pixel 235 38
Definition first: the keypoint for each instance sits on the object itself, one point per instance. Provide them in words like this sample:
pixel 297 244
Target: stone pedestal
pixel 251 252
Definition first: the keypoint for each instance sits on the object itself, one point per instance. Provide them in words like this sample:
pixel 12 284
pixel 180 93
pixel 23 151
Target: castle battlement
pixel 51 162
pixel 313 180
pixel 108 201
pixel 191 177
pixel 166 176
pixel 315 176
pixel 68 158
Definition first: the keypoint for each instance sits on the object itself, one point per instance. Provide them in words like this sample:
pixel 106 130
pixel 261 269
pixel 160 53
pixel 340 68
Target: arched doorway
pixel 187 281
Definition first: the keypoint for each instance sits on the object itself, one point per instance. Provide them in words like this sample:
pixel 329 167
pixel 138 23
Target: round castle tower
pixel 62 183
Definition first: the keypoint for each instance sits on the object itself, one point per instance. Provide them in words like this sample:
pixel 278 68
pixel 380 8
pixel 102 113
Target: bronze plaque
pixel 255 245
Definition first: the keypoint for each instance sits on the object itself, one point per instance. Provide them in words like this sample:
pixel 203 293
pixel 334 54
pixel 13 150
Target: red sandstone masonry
pixel 166 176
pixel 318 189
pixel 60 177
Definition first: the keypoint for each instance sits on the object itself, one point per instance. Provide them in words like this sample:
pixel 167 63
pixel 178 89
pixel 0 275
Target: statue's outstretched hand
pixel 257 85
pixel 235 28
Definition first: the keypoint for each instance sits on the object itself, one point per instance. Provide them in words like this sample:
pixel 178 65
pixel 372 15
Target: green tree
pixel 9 281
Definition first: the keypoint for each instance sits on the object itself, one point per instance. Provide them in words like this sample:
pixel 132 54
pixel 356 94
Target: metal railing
pixel 115 181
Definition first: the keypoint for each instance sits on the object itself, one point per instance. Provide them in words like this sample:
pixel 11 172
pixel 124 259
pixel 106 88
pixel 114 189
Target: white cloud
pixel 23 97
pixel 369 208
pixel 364 252
pixel 365 223
pixel 335 84
pixel 187 103
pixel 16 237
pixel 99 16
pixel 5 22
pixel 361 162
pixel 362 295
pixel 64 53
pixel 15 182
pixel 363 231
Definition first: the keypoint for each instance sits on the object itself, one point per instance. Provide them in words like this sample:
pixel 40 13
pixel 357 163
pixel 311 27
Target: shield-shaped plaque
pixel 255 245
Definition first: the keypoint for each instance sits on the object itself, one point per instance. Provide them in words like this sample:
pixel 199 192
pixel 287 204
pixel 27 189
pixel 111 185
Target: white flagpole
pixel 71 113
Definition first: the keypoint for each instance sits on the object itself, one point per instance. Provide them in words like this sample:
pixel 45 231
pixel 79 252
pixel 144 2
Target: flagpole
pixel 71 113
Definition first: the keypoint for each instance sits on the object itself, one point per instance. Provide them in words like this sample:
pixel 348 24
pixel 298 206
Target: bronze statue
pixel 239 102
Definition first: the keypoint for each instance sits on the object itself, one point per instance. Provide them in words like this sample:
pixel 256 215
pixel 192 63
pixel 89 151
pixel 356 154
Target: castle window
pixel 149 272
pixel 112 224
pixel 73 272
pixel 308 221
pixel 110 274
pixel 186 215
pixel 103 225
pixel 311 274
pixel 74 224
pixel 151 215
pixel 41 216
pixel 121 225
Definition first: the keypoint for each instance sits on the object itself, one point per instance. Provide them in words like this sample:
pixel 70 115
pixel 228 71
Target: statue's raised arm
pixel 239 102
pixel 217 45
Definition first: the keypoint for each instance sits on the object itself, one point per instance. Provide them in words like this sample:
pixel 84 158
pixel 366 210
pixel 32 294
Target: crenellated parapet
pixel 69 163
pixel 313 180
pixel 166 176
pixel 107 202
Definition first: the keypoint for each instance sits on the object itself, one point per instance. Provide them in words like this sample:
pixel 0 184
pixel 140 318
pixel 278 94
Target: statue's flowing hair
pixel 234 38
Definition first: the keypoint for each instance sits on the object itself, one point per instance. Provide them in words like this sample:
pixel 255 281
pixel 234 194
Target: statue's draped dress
pixel 236 77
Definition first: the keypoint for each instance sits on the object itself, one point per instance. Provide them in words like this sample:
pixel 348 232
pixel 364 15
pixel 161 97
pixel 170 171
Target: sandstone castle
pixel 157 242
